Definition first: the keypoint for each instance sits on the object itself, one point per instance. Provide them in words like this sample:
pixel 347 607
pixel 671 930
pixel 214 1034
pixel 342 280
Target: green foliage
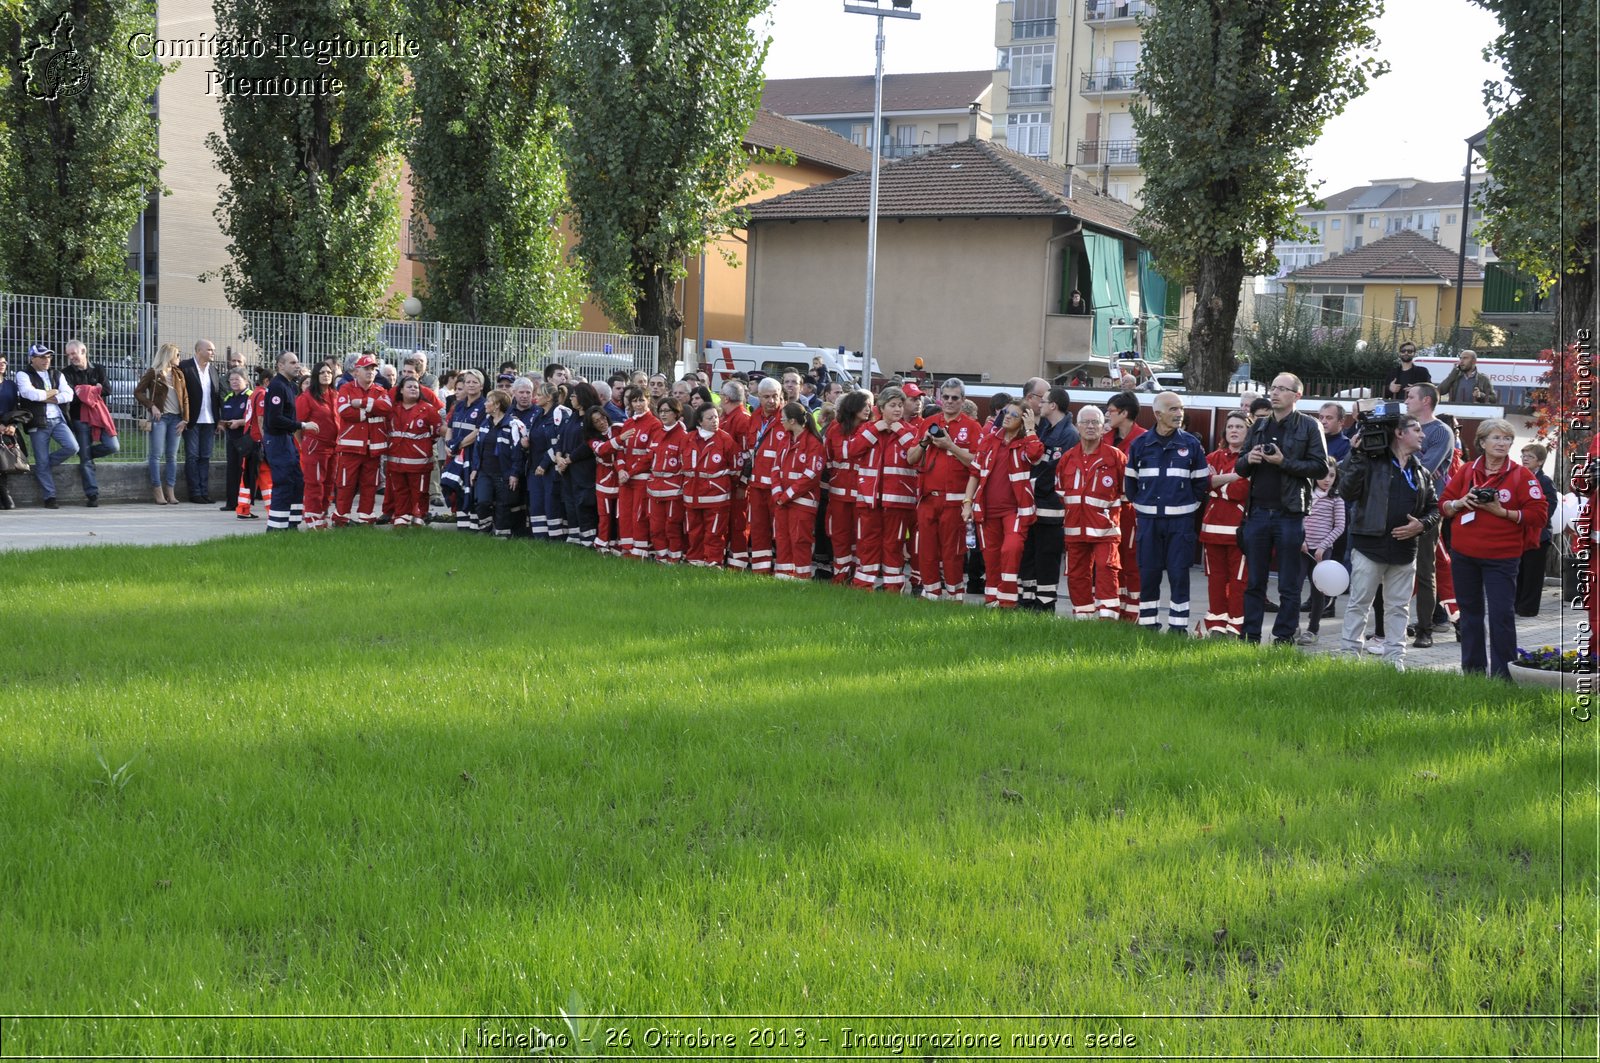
pixel 1233 94
pixel 311 200
pixel 1543 153
pixel 661 93
pixel 76 169
pixel 484 164
pixel 1288 338
pixel 1527 340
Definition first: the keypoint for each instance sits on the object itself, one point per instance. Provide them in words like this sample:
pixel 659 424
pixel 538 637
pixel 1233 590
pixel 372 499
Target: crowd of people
pixel 801 479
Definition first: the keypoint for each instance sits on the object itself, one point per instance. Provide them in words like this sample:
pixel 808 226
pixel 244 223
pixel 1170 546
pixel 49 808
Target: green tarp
pixel 1110 300
pixel 1153 304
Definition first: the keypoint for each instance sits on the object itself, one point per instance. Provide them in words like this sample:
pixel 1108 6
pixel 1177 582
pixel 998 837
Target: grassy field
pixel 422 774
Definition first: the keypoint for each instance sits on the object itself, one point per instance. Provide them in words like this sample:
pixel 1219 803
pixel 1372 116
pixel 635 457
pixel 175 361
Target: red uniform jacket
pixel 739 426
pixel 667 461
pixel 943 476
pixel 636 463
pixel 608 452
pixel 363 418
pixel 713 459
pixel 773 440
pixel 1014 460
pixel 1485 535
pixel 1225 505
pixel 411 435
pixel 884 478
pixel 800 472
pixel 257 410
pixel 843 451
pixel 320 413
pixel 1090 486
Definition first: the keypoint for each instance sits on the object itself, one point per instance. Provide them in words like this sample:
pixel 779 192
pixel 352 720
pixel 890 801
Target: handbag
pixel 11 459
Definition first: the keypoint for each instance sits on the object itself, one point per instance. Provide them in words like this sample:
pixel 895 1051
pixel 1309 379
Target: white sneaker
pixel 1399 666
pixel 1377 647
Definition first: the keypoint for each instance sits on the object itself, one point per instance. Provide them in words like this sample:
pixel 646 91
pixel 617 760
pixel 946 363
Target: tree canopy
pixel 661 93
pixel 1233 94
pixel 78 157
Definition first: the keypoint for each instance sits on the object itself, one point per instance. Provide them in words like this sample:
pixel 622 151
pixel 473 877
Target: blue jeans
pixel 164 447
pixel 60 433
pixel 88 452
pixel 1478 578
pixel 197 442
pixel 1265 529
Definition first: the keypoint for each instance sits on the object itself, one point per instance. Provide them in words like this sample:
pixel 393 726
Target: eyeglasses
pixel 1280 387
pixel 1407 350
pixel 949 398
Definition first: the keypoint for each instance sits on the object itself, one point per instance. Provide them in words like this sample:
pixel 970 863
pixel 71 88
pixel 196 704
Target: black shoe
pixel 1276 641
pixel 1411 631
pixel 51 503
pixel 386 519
pixel 1423 641
pixel 1270 606
pixel 6 501
pixel 93 502
pixel 225 507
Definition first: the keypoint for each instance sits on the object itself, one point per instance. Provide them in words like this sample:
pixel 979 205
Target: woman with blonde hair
pixel 161 391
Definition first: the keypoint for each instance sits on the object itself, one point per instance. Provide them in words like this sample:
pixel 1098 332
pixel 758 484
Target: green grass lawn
pixel 430 774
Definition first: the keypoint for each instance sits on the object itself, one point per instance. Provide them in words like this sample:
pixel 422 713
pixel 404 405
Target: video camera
pixel 1376 425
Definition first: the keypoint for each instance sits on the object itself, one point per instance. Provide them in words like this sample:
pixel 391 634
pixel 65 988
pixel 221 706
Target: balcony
pixel 1117 81
pixel 1112 153
pixel 894 150
pixel 1027 95
pixel 1032 29
pixel 1111 12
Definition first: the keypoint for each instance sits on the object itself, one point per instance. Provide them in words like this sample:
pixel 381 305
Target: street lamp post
pixel 898 9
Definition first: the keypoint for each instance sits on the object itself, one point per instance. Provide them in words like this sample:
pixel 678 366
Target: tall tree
pixel 310 149
pixel 484 164
pixel 1234 93
pixel 660 94
pixel 78 154
pixel 1543 151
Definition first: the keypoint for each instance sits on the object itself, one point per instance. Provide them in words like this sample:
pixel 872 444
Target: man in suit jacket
pixel 204 382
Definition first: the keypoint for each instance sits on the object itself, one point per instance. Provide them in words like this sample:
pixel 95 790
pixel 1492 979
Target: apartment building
pixel 1063 87
pixel 920 111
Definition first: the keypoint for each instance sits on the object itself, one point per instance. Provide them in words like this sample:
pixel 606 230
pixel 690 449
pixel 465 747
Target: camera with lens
pixel 1482 495
pixel 934 432
pixel 1375 427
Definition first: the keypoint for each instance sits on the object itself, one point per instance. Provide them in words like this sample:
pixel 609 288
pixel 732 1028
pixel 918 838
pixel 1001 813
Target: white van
pixel 723 358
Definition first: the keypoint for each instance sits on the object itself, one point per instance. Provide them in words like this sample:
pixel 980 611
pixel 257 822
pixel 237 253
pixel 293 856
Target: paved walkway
pixel 151 525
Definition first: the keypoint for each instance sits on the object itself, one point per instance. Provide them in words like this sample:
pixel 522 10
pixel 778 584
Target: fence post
pixel 305 335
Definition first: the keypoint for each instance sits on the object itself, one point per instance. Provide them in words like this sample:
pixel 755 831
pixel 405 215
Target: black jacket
pixel 191 379
pixel 1305 458
pixel 1364 481
pixel 89 374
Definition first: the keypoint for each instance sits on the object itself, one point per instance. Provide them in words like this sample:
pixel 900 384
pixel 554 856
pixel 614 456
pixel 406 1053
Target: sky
pixel 1412 122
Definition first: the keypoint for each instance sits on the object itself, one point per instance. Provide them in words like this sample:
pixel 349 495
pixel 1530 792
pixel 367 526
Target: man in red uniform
pixel 944 458
pixel 362 408
pixel 1122 412
pixel 1089 481
pixel 770 441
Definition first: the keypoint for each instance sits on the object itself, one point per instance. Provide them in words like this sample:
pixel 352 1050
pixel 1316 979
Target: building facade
pixel 1402 285
pixel 920 111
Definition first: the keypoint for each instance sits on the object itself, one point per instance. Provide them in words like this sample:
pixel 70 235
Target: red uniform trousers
pixel 1128 577
pixel 841 530
pixel 390 509
pixel 355 481
pixel 941 548
pixel 881 545
pixel 1003 536
pixel 738 529
pixel 407 491
pixel 760 526
pixel 1092 569
pixel 666 528
pixel 606 531
pixel 795 533
pixel 1225 581
pixel 633 519
pixel 708 535
pixel 1444 584
pixel 316 468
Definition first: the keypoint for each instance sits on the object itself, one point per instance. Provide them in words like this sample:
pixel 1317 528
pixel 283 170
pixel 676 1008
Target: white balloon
pixel 1330 577
pixel 1564 512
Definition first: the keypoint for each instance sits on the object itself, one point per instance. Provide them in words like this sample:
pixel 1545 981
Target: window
pixel 1374 223
pixel 1405 313
pixel 948 132
pixel 1357 243
pixel 1032 66
pixel 1335 224
pixel 1449 219
pixel 1119 191
pixel 905 135
pixel 1336 305
pixel 858 134
pixel 1029 134
pixel 1357 220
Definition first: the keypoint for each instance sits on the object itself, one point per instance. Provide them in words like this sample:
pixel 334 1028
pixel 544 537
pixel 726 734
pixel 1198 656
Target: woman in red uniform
pixel 713 458
pixel 886 495
pixel 315 405
pixel 666 482
pixel 1219 531
pixel 633 474
pixel 1000 500
pixel 794 499
pixel 843 445
pixel 609 453
pixel 413 426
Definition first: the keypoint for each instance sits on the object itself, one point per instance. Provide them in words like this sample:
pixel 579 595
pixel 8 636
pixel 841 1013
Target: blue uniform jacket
pixel 1057 439
pixel 506 440
pixel 279 419
pixel 1167 475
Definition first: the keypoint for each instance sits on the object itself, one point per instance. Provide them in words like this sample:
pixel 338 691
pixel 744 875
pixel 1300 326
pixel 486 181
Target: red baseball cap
pixel 366 361
pixel 911 390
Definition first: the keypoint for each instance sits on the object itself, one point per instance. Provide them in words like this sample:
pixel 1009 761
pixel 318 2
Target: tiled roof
pixel 971 178
pixel 1405 255
pixel 810 143
pixel 1383 195
pixel 853 95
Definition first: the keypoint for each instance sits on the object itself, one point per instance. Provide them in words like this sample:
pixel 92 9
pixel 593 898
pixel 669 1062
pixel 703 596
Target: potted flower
pixel 1551 666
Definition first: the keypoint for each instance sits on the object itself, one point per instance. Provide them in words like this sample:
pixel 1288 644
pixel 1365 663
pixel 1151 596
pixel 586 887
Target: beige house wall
pixel 965 295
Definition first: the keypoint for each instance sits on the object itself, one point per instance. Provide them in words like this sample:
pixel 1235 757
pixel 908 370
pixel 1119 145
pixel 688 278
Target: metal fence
pixel 122 339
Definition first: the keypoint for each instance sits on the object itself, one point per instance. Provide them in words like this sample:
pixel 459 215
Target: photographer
pixel 1496 509
pixel 1392 503
pixel 944 461
pixel 1284 454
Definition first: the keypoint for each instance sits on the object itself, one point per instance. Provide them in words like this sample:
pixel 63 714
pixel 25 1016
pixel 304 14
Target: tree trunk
pixel 1575 299
pixel 1216 310
pixel 657 316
